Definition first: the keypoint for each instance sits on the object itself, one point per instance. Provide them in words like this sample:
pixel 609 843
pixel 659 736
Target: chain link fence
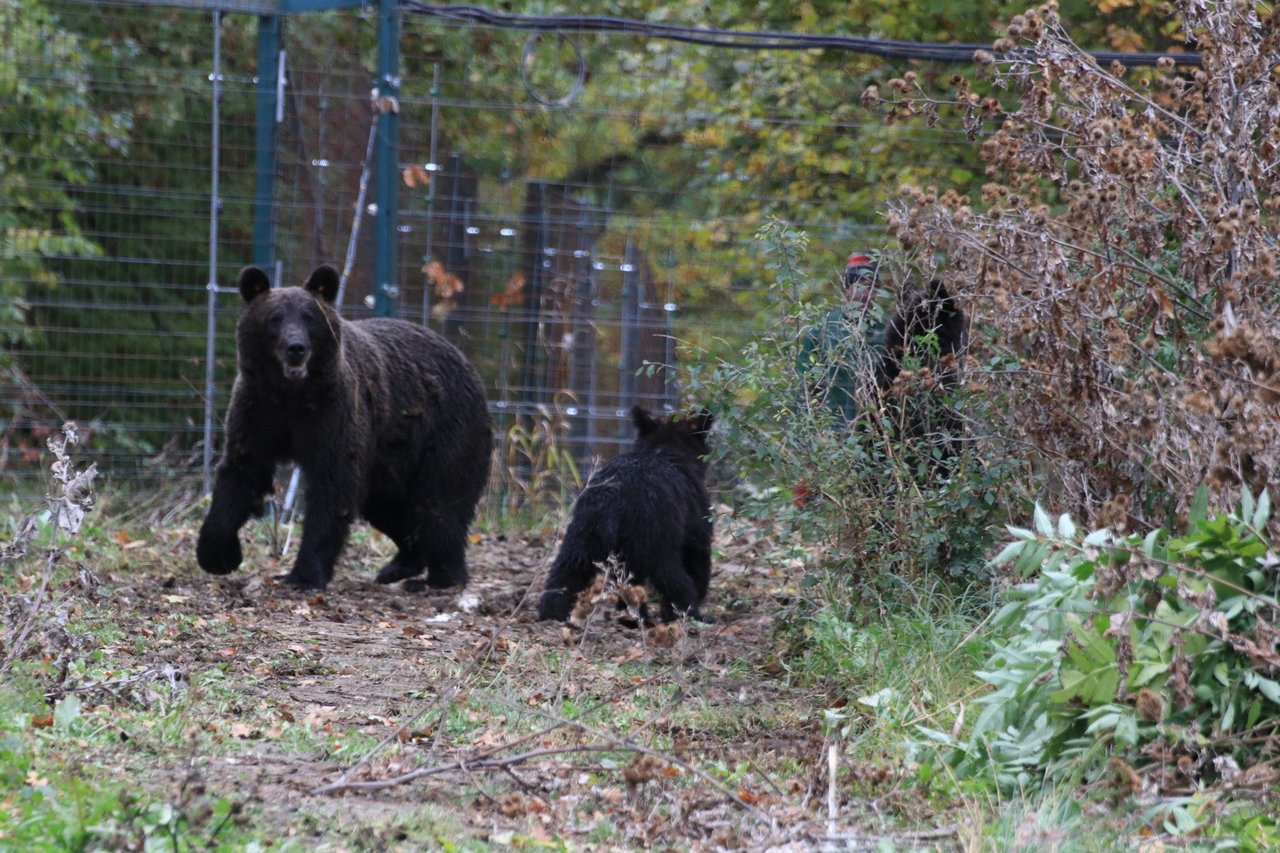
pixel 572 208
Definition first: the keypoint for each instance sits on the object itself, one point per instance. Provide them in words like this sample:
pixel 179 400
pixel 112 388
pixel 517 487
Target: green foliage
pixel 51 134
pixel 1154 654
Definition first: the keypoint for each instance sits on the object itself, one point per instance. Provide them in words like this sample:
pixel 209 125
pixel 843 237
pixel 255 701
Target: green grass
pixel 54 798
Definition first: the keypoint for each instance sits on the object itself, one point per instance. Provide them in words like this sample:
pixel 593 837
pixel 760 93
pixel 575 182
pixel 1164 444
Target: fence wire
pixel 573 206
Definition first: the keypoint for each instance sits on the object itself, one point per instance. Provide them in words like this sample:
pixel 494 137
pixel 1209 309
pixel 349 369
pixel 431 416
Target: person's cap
pixel 860 266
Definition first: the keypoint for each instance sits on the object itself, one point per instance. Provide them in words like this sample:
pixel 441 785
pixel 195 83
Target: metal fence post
pixel 387 87
pixel 268 114
pixel 211 329
pixel 628 346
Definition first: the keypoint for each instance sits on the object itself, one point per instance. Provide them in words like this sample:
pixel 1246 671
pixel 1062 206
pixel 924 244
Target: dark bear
pixel 650 509
pixel 386 419
pixel 918 318
pixel 928 330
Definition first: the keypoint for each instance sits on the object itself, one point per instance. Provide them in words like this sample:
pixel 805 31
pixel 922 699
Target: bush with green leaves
pixel 878 495
pixel 1155 658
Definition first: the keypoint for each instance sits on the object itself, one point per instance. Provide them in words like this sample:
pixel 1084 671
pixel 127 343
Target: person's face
pixel 859 286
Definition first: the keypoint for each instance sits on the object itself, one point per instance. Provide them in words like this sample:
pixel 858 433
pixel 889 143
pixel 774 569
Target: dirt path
pixel 637 739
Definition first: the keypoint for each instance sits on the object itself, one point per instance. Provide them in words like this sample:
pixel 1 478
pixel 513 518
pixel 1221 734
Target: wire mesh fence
pixel 572 207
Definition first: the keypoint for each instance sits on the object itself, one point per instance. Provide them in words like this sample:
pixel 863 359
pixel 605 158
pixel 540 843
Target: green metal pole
pixel 265 142
pixel 386 290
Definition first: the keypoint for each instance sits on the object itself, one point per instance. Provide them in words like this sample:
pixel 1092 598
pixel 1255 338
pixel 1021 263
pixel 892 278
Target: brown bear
pixel 386 419
pixel 649 508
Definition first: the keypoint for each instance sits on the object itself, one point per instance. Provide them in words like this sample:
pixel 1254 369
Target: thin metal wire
pixel 528 56
pixel 760 40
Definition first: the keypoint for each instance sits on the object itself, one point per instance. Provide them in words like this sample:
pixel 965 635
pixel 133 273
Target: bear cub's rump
pixel 650 509
pixel 386 419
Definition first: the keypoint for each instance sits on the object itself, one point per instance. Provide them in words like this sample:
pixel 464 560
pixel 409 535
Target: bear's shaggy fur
pixel 386 419
pixel 929 330
pixel 920 316
pixel 650 509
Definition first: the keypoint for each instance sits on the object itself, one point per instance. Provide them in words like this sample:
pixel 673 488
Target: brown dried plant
pixel 1120 264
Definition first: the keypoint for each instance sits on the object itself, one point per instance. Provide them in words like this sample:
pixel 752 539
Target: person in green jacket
pixel 834 367
pixel 835 370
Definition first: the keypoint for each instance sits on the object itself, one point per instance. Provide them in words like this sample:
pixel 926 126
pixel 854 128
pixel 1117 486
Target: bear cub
pixel 650 509
pixel 386 419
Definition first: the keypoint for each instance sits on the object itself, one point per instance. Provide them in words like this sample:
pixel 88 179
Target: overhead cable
pixel 743 40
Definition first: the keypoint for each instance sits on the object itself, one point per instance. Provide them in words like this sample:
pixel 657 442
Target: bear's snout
pixel 294 357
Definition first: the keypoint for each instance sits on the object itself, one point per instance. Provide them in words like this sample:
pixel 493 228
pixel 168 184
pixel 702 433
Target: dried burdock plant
pixel 1120 265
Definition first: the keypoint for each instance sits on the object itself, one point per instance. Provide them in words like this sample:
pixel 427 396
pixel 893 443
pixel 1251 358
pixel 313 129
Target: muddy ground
pixel 523 734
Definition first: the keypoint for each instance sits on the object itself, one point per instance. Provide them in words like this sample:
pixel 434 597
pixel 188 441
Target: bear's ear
pixel 253 282
pixel 644 421
pixel 324 283
pixel 702 420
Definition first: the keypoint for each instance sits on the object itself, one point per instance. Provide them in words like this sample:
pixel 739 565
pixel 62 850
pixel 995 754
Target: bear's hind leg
pixel 665 569
pixel 390 518
pixel 442 541
pixel 571 573
pixel 696 556
pixel 589 540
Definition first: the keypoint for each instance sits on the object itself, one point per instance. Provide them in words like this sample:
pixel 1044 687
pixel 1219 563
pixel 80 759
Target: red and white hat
pixel 860 267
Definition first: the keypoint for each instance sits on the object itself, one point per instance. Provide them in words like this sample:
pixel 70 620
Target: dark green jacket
pixel 833 364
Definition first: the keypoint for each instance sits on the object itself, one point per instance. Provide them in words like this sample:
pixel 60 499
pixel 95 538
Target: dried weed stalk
pixel 1120 264
pixel 538 470
pixel 69 499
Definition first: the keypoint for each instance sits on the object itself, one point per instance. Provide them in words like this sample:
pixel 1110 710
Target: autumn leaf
pixel 416 176
pixel 512 293
pixel 445 284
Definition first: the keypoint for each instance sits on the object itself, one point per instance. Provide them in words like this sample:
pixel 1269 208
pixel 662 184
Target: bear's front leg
pixel 237 494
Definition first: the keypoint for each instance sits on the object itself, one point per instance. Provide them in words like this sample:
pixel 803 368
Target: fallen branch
pixel 487 761
pixel 463 765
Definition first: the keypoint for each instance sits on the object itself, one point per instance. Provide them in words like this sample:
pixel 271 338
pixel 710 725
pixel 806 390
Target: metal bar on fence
pixel 212 286
pixel 268 116
pixel 386 291
pixel 630 316
pixel 433 167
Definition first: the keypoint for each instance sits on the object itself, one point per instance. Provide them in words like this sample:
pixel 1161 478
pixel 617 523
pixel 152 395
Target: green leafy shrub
pixel 879 498
pixel 1156 658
